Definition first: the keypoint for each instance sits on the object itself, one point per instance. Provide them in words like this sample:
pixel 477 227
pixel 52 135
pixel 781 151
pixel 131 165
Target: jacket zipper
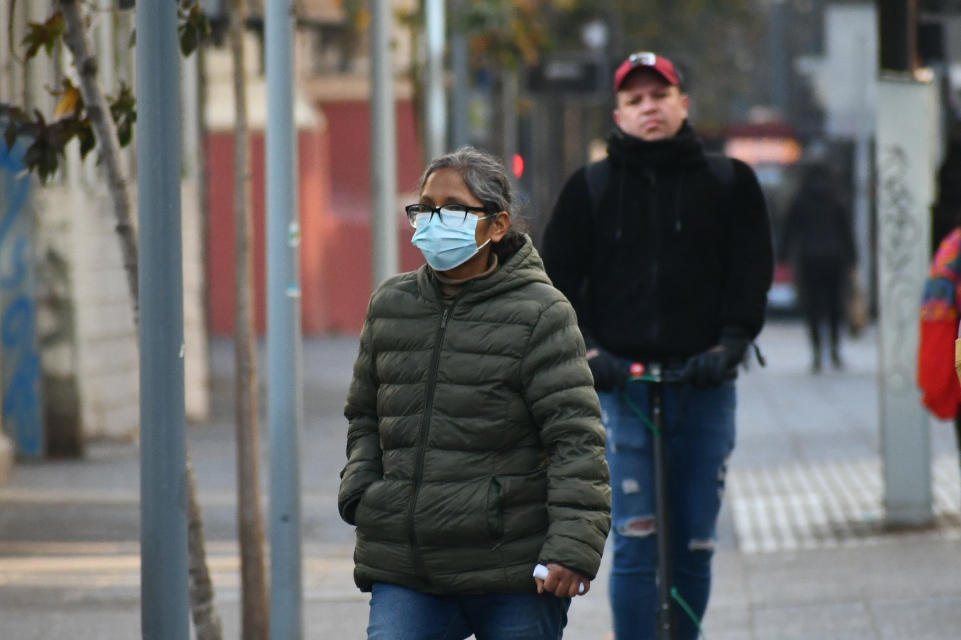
pixel 655 263
pixel 422 440
pixel 677 203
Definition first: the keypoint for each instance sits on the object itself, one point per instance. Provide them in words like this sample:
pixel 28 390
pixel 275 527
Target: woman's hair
pixel 486 178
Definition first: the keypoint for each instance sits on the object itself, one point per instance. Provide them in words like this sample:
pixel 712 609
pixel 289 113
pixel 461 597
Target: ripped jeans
pixel 698 429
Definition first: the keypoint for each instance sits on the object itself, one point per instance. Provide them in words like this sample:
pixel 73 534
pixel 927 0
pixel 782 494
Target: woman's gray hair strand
pixel 483 174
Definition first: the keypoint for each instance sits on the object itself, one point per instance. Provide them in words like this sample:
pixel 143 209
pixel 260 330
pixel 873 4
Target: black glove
pixel 609 373
pixel 712 367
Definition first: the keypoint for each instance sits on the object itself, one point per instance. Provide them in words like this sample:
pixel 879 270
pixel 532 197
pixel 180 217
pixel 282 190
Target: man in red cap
pixel 665 252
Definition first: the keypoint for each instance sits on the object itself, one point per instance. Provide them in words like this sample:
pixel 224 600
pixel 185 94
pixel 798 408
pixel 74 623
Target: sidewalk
pixel 802 552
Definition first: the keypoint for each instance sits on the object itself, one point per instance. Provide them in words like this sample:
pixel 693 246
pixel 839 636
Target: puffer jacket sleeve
pixel 364 463
pixel 559 392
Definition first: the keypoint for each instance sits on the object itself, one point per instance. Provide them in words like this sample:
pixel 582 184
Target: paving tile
pixel 834 621
pixel 928 618
pixel 102 623
pixel 729 624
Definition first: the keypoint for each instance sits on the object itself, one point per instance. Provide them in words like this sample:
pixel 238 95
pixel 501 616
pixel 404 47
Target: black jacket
pixel 818 232
pixel 671 260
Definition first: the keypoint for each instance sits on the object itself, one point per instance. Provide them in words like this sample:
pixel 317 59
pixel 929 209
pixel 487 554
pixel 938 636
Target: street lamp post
pixel 163 489
pixel 284 360
pixel 383 151
pixel 435 25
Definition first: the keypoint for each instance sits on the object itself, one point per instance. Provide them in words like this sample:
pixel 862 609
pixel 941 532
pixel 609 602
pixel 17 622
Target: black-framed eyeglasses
pixel 450 215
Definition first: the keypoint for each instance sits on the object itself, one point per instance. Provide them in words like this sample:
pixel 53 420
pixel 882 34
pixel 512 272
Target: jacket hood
pixel 683 150
pixel 523 268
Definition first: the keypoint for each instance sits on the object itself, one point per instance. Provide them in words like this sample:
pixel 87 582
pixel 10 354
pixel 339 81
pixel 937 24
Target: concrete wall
pixel 106 336
pixel 95 342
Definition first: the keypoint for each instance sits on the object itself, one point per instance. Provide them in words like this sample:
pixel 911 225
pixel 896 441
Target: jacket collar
pixel 683 150
pixel 523 268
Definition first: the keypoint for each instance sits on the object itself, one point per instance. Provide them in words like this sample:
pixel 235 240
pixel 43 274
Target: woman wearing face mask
pixel 475 449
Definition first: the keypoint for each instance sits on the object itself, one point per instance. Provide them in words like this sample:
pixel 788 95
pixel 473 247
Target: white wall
pixel 78 223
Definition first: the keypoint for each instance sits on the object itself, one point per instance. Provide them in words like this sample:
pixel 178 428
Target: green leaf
pixel 188 41
pixel 10 135
pixel 47 165
pixel 124 103
pixel 42 158
pixel 194 28
pixel 87 140
pixel 34 40
pixel 43 35
pixel 124 133
pixel 123 110
pixel 55 27
pixel 32 155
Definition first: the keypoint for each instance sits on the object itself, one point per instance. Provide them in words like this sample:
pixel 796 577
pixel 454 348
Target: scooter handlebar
pixel 656 373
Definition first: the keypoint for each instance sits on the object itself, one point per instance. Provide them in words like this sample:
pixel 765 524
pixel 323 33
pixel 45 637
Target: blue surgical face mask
pixel 446 247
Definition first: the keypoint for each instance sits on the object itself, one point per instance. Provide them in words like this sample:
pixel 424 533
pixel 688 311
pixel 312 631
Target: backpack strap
pixel 597 174
pixel 722 167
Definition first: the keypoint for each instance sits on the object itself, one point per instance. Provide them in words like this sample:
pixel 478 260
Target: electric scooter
pixel 658 376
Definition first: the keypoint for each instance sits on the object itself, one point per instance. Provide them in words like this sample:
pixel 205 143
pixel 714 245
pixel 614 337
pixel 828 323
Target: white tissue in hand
pixel 541 572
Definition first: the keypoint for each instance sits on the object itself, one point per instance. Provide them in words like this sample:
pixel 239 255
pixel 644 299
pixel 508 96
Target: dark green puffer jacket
pixel 475 447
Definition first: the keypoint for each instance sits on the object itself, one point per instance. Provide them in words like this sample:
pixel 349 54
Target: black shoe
pixel 836 361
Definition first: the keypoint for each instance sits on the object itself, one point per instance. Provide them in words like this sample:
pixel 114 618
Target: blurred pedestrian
pixel 940 311
pixel 665 252
pixel 819 237
pixel 475 447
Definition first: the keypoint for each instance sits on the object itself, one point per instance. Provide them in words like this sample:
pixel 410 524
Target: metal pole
pixel 6 94
pixel 777 51
pixel 383 150
pixel 897 27
pixel 284 399
pixel 435 25
pixel 163 500
pixel 509 95
pixel 460 68
pixel 666 627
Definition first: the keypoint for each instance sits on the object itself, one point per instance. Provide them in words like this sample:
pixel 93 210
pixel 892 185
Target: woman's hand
pixel 562 582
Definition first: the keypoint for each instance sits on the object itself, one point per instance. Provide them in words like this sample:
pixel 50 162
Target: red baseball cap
pixel 652 61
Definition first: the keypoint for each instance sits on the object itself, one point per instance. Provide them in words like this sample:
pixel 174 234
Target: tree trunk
pixel 77 40
pixel 203 604
pixel 254 602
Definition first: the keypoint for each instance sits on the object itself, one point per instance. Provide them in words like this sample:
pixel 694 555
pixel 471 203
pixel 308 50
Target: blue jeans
pixel 399 613
pixel 698 426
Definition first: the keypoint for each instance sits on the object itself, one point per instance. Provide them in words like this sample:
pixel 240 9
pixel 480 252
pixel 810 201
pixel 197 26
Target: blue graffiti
pixel 22 403
pixel 21 386
pixel 20 183
pixel 16 325
pixel 21 255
